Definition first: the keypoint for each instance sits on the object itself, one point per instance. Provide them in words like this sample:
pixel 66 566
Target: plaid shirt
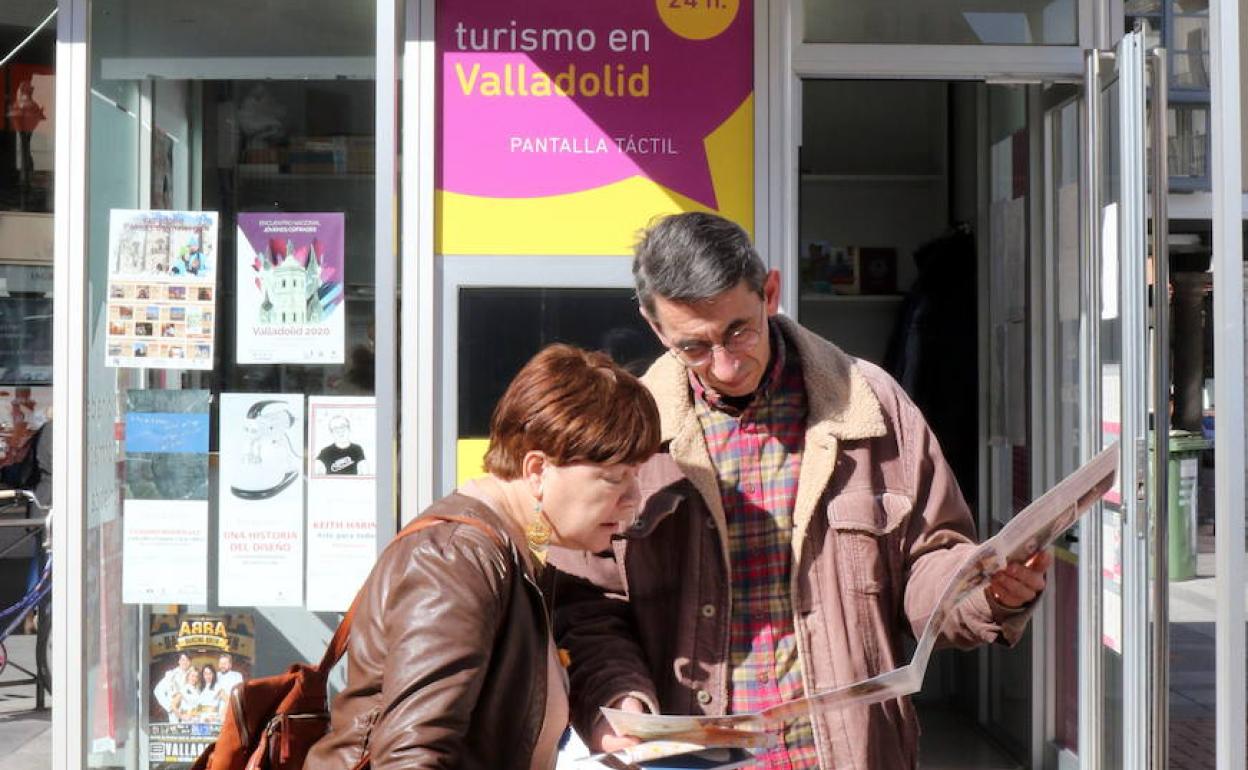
pixel 757 453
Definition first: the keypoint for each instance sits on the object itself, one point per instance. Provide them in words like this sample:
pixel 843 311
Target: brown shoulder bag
pixel 273 721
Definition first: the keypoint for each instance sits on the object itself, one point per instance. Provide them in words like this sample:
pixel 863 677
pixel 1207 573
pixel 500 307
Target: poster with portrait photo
pixel 290 288
pixel 342 515
pixel 161 263
pixel 194 661
pixel 260 500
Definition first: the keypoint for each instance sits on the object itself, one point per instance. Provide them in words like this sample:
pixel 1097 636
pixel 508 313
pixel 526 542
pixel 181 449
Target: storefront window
pixel 501 328
pixel 1188 144
pixel 233 442
pixel 27 118
pixel 894 21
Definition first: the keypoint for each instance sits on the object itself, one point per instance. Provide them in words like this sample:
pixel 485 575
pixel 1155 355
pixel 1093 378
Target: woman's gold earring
pixel 538 531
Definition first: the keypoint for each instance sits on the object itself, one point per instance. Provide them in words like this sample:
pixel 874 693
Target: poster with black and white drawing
pixel 260 493
pixel 342 512
pixel 290 288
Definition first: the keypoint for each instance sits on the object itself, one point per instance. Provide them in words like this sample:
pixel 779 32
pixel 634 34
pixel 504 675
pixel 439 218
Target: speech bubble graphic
pixel 549 97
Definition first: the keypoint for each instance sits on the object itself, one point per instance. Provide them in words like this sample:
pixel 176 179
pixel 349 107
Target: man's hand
pixel 605 739
pixel 1018 583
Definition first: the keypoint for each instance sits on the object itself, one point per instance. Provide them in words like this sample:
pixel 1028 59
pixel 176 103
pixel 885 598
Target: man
pixel 171 684
pixel 798 525
pixel 342 457
pixel 227 677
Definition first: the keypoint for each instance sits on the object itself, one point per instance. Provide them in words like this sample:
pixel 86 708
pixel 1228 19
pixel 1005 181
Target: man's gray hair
pixel 694 256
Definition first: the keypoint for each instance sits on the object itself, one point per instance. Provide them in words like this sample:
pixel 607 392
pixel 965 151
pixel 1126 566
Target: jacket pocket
pixel 867 525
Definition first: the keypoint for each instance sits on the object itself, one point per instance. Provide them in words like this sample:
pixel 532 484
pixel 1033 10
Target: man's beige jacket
pixel 879 523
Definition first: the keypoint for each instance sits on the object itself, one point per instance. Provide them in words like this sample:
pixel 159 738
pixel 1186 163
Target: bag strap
pixel 338 644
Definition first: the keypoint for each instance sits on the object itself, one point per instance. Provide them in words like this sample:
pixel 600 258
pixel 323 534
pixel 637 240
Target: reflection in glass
pixel 1196 7
pixel 1032 22
pixel 1190 70
pixel 197 110
pixel 1191 33
pixel 1188 141
pixel 27 125
pixel 500 329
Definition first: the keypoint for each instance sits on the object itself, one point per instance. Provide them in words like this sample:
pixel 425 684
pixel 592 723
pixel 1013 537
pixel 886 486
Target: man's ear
pixel 654 325
pixel 771 292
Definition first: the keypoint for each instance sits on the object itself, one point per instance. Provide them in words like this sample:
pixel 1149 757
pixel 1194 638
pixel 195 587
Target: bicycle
pixel 37 597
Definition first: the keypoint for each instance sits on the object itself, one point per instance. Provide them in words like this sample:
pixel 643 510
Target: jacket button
pixel 708 610
pixel 710 522
pixel 704 697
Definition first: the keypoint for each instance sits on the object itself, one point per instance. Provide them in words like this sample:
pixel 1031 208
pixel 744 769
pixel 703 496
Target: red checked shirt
pixel 757 452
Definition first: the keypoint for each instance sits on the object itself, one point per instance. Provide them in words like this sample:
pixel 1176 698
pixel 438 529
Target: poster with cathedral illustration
pixel 290 288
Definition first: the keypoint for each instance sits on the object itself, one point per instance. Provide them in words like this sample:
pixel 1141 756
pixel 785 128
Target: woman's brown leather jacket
pixel 447 658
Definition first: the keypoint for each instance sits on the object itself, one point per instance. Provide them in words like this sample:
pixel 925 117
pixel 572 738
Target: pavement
pixel 25 733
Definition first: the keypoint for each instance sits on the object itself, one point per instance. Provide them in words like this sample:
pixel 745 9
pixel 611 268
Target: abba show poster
pixel 290 288
pixel 569 126
pixel 194 661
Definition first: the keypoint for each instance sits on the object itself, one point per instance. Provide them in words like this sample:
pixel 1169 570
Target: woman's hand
pixel 605 738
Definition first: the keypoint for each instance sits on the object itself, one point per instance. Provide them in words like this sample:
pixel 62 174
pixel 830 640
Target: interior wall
pixel 874 164
pixel 875 173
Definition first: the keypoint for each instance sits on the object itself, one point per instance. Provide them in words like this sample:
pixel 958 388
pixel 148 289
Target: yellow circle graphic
pixel 697 19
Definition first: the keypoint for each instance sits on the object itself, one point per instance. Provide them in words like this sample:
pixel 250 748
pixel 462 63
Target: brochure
pixel 1031 530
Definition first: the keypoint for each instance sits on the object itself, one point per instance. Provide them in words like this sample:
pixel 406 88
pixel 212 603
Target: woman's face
pixel 209 675
pixel 192 677
pixel 586 503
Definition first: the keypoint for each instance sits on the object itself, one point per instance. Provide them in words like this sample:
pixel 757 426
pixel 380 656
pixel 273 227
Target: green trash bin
pixel 1184 468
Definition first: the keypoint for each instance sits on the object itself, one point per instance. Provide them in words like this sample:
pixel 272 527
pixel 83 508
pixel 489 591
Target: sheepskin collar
pixel 840 401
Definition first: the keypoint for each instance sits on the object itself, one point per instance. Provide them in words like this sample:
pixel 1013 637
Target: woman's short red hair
pixel 572 405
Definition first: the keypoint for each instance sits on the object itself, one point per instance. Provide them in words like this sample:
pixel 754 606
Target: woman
pixel 186 699
pixel 211 698
pixel 451 659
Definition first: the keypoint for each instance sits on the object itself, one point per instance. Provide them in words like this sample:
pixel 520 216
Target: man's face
pixel 184 662
pixel 341 432
pixel 713 322
pixel 224 664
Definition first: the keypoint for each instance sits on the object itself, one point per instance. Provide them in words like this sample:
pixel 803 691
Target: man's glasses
pixel 738 342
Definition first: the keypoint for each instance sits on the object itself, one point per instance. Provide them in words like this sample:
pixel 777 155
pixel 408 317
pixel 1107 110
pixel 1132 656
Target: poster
pixel 260 500
pixel 194 661
pixel 162 284
pixel 165 506
pixel 567 127
pixel 290 288
pixel 342 493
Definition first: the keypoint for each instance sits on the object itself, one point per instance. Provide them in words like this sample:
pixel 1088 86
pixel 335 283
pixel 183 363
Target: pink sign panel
pixel 548 97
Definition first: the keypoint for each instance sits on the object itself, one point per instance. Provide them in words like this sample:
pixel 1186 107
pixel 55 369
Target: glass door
pixel 1113 554
pixel 1101 374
